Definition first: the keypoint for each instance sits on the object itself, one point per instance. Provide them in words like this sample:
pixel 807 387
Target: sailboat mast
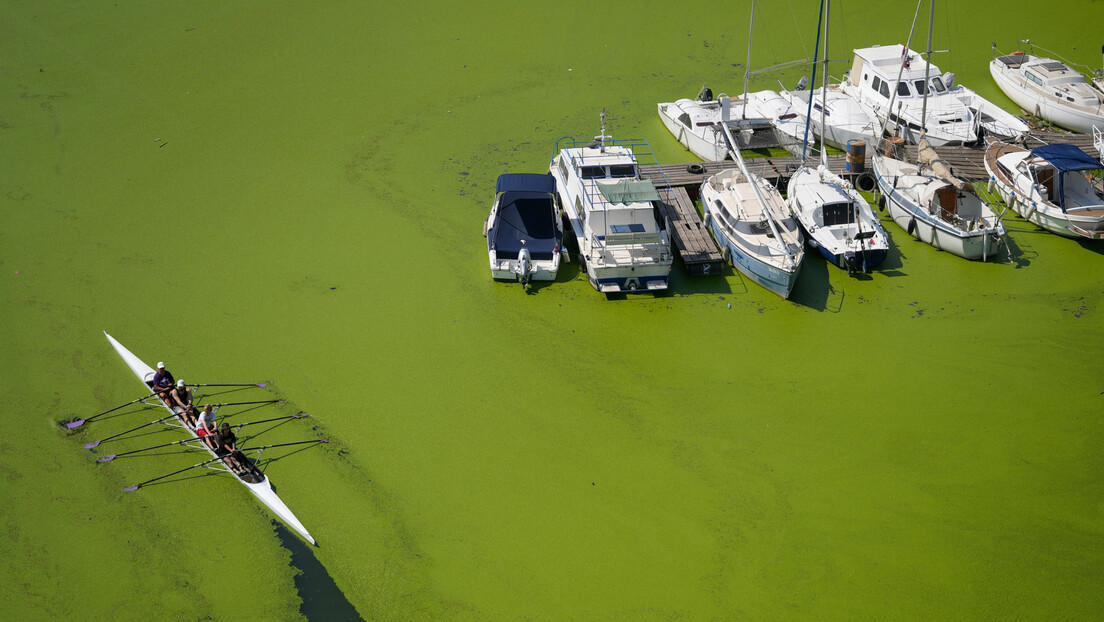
pixel 747 66
pixel 927 68
pixel 824 89
pixel 812 85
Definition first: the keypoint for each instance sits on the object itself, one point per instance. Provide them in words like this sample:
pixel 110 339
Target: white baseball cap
pixel 180 383
pixel 160 365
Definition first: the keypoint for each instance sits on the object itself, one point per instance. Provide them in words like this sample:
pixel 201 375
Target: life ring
pixel 695 169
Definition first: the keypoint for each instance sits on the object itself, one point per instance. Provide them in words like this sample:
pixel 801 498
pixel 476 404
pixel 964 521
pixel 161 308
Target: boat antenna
pixel 904 57
pixel 927 68
pixel 747 65
pixel 602 136
pixel 812 85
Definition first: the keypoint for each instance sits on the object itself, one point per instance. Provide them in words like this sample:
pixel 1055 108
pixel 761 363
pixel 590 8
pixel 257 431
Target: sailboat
pixel 928 201
pixel 836 220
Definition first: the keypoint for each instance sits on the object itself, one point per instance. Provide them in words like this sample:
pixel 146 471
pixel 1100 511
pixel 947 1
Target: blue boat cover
pixel 1067 158
pixel 526 211
pixel 531 182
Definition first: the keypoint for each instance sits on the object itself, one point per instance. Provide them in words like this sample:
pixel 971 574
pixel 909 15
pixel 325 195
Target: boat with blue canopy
pixel 524 230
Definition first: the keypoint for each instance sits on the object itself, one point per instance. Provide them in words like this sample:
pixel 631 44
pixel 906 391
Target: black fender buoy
pixel 911 226
pixel 695 169
pixel 866 182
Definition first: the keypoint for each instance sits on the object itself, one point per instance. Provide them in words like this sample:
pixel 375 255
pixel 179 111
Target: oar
pixel 79 422
pixel 102 459
pixel 150 481
pixel 206 462
pixel 95 444
pixel 264 447
pixel 254 384
pixel 299 416
pixel 244 403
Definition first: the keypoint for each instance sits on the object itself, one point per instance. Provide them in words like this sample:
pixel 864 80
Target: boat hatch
pixel 630 228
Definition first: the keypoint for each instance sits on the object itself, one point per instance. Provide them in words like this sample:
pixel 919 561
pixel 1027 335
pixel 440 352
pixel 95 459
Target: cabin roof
pixel 1067 158
pixel 886 59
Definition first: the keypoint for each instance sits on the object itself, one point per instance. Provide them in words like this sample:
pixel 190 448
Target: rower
pixel 206 426
pixel 182 402
pixel 162 384
pixel 228 449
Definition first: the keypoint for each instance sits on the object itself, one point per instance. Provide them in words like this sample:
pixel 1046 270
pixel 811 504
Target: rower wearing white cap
pixel 206 426
pixel 162 384
pixel 182 402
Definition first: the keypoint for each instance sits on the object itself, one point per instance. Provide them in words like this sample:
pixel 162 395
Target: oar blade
pixel 103 459
pixel 131 488
pixel 263 384
pixel 92 445
pixel 72 425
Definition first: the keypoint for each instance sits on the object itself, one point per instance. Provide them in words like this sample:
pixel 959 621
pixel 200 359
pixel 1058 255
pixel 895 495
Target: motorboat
pixel 696 124
pixel 926 200
pixel 892 82
pixel 754 229
pixel 1057 187
pixel 844 119
pixel 1050 89
pixel 524 230
pixel 787 117
pixel 621 234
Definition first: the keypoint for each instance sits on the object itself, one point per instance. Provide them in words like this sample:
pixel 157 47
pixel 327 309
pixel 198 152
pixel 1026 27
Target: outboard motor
pixel 524 266
pixel 948 80
pixel 802 83
pixel 706 94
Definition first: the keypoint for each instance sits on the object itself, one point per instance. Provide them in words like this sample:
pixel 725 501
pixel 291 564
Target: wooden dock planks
pixel 695 246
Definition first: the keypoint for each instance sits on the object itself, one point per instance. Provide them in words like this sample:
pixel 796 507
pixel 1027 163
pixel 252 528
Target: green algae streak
pixel 293 192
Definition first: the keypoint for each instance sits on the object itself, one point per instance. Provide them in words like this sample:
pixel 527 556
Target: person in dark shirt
pixel 163 384
pixel 182 402
pixel 228 448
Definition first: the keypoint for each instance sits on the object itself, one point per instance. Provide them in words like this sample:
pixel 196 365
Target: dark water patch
pixel 322 599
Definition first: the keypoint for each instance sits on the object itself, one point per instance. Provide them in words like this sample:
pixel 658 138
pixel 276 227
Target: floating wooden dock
pixel 696 248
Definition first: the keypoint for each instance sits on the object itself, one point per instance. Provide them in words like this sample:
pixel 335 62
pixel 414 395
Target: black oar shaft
pixel 134 429
pixel 299 416
pixel 263 447
pixel 246 384
pixel 80 422
pixel 134 451
pixel 245 403
pixel 150 481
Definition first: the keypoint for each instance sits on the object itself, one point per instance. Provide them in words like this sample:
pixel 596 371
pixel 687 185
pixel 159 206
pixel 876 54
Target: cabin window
pixel 838 214
pixel 876 84
pixel 631 228
pixel 937 84
pixel 919 86
pixel 592 172
pixel 884 89
pixel 684 119
pixel 903 89
pixel 623 170
pixel 563 168
pixel 1034 78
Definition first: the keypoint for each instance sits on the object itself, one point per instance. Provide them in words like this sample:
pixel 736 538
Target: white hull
pixel 262 490
pixel 623 243
pixel 736 219
pixel 1081 115
pixel 1023 196
pixel 833 215
pixel 909 196
pixel 846 120
pixel 696 125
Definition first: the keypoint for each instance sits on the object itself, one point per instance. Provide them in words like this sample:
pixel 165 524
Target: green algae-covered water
pixel 293 193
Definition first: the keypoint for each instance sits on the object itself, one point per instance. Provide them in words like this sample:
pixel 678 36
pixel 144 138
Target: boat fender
pixel 881 203
pixel 992 183
pixel 485 227
pixel 865 182
pixel 911 226
pixel 695 169
pixel 1029 210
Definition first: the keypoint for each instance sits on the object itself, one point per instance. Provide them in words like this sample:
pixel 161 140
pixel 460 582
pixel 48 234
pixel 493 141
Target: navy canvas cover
pixel 526 211
pixel 1067 158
